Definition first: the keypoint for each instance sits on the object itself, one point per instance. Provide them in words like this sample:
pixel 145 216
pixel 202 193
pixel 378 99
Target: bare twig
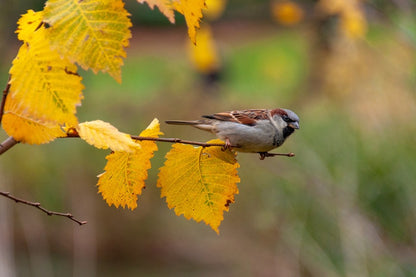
pixel 38 206
pixel 224 145
pixel 177 140
pixel 72 133
pixel 264 155
pixel 7 144
pixel 3 99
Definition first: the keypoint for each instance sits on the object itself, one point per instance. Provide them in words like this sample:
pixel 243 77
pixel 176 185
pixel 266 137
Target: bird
pixel 252 130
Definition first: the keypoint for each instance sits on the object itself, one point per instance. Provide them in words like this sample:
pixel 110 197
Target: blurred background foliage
pixel 344 206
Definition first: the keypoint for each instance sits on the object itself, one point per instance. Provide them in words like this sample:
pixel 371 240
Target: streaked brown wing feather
pixel 246 117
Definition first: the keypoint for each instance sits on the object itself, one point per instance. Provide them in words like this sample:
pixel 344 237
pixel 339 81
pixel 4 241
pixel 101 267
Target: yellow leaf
pixel 204 55
pixel 352 18
pixel 215 8
pixel 153 131
pixel 199 183
pixel 192 11
pixel 125 173
pixel 92 33
pixel 44 88
pixel 354 24
pixel 287 12
pixel 103 135
pixel 164 7
pixel 26 128
pixel 28 24
pixel 41 81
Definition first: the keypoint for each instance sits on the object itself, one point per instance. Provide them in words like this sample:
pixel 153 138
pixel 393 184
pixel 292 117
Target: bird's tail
pixel 182 122
pixel 199 124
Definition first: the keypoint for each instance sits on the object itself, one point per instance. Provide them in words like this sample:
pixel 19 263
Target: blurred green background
pixel 344 206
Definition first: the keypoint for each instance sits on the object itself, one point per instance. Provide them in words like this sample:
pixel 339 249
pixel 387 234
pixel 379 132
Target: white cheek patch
pixel 269 116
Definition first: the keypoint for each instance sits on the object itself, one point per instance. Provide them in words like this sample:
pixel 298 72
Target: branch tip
pixel 38 206
pixel 264 155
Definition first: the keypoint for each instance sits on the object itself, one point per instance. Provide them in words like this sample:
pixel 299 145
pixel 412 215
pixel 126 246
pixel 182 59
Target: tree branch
pixel 203 144
pixel 3 99
pixel 38 206
pixel 177 140
pixel 7 144
pixel 72 133
pixel 264 155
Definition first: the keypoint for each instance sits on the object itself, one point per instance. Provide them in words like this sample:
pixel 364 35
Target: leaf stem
pixel 38 206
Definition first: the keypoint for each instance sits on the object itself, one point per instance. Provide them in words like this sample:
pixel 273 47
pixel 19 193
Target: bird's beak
pixel 294 125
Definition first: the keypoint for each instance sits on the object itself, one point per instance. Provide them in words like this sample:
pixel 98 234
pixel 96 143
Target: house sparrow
pixel 257 130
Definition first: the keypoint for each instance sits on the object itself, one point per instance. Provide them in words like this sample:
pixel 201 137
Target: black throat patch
pixel 287 131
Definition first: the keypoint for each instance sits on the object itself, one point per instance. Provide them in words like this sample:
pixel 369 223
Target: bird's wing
pixel 246 117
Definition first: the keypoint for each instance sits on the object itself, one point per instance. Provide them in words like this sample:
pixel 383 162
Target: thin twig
pixel 264 155
pixel 7 144
pixel 3 99
pixel 38 206
pixel 290 154
pixel 72 133
pixel 177 140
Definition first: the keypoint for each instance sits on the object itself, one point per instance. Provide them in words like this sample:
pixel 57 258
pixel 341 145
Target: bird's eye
pixel 285 118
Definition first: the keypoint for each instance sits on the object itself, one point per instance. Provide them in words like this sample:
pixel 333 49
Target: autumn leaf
pixel 28 24
pixel 192 11
pixel 25 127
pixel 103 135
pixel 287 12
pixel 47 85
pixel 164 6
pixel 92 33
pixel 45 89
pixel 125 172
pixel 354 24
pixel 204 55
pixel 214 8
pixel 198 182
pixel 352 18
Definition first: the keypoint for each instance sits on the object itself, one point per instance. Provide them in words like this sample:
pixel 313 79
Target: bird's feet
pixel 227 145
pixel 263 155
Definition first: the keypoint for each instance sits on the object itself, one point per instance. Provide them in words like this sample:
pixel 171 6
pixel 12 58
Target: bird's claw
pixel 227 145
pixel 263 155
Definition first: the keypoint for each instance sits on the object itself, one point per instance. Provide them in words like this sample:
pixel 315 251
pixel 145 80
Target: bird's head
pixel 290 118
pixel 287 121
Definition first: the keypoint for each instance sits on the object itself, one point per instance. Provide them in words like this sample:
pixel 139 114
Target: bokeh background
pixel 344 206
